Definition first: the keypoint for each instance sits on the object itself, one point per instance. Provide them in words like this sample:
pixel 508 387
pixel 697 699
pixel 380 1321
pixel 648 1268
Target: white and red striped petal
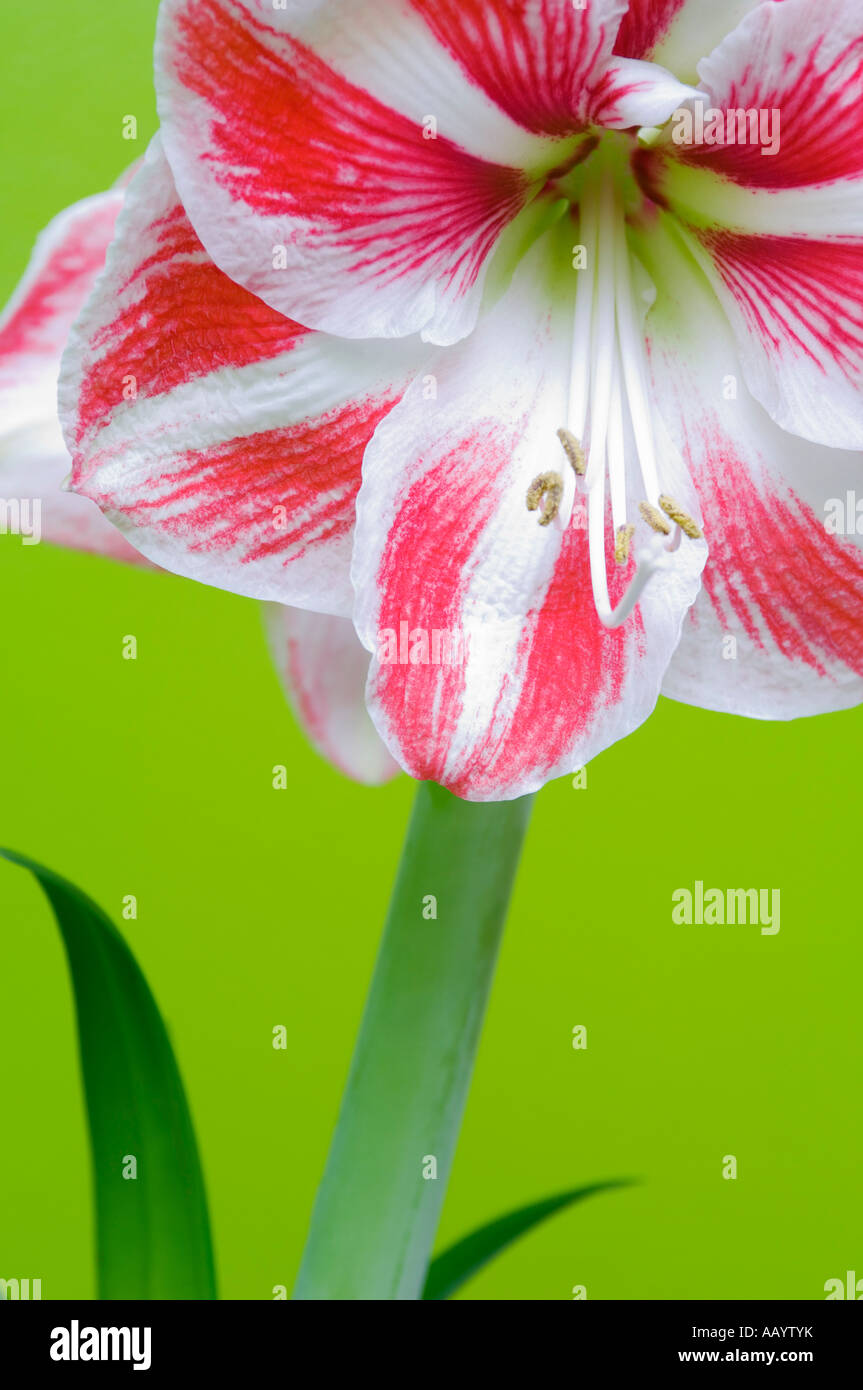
pixel 383 145
pixel 34 327
pixel 777 631
pixel 796 307
pixel 324 668
pixel 678 33
pixel 224 440
pixel 806 62
pixel 547 64
pixel 384 223
pixel 777 218
pixel 491 670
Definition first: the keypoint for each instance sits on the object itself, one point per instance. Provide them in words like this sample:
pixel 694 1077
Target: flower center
pixel 609 400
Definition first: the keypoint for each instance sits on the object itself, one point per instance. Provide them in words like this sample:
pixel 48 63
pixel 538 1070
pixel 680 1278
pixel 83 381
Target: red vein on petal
pixel 776 568
pixel 424 576
pixel 569 668
pixel 185 320
pixel 819 106
pixel 534 61
pixel 644 25
pixel 40 323
pixel 797 292
pixel 226 498
pixel 292 137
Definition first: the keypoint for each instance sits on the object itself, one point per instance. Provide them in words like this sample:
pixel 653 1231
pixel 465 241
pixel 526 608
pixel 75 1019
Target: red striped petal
pixel 385 224
pixel 808 72
pixel 644 26
pixel 679 33
pixel 796 305
pixel 492 672
pixel 539 63
pixel 225 440
pixel 777 631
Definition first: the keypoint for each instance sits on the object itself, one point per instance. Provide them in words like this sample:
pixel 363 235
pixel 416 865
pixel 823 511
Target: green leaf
pixel 449 1270
pixel 152 1232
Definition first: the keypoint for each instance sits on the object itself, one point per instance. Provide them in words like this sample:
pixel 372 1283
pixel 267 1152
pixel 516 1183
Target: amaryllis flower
pixel 419 313
pixel 321 662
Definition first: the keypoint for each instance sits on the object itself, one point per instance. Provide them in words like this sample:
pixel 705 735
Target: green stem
pixel 377 1209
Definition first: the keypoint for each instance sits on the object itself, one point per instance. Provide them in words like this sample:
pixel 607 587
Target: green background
pixel 259 907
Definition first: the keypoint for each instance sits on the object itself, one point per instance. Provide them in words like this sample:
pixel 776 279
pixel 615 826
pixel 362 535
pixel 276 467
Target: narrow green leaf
pixel 152 1231
pixel 453 1267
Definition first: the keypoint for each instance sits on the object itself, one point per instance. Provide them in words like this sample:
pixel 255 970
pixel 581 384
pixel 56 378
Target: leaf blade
pixel 153 1235
pixel 455 1266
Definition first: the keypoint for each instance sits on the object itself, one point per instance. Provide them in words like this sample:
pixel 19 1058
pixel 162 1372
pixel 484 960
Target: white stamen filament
pixel 608 364
pixel 579 378
pixel 616 453
pixel 632 355
pixel 603 337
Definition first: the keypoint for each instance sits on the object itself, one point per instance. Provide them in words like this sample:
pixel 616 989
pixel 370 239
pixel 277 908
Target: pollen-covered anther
pixel 545 493
pixel 573 450
pixel 689 527
pixel 654 518
pixel 622 543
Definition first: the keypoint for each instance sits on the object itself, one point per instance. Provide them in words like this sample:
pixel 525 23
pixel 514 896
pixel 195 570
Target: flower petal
pixel 796 308
pixel 808 69
pixel 635 93
pixel 307 184
pixel 223 439
pixel 34 327
pixel 383 145
pixel 491 670
pixel 547 64
pixel 775 208
pixel 678 33
pixel 324 667
pixel 777 631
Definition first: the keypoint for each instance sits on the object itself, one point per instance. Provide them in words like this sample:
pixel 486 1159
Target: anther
pixel 684 520
pixel 622 542
pixel 654 518
pixel 573 451
pixel 546 491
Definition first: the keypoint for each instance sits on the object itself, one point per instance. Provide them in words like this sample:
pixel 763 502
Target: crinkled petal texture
pixel 223 439
pixel 324 667
pixel 355 162
pixel 491 670
pixel 33 330
pixel 773 196
pixel 777 630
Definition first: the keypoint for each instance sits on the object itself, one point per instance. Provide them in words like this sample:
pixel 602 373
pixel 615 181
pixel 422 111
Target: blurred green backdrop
pixel 259 907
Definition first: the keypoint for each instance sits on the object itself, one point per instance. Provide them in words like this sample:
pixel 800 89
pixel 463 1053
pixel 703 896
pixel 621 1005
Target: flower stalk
pixel 378 1206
